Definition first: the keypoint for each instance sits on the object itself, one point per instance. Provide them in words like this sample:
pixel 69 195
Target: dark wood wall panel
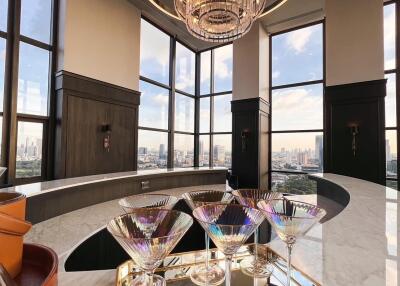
pixel 84 107
pixel 358 105
pixel 250 163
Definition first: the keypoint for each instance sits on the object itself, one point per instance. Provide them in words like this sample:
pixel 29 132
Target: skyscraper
pixel 161 152
pixel 388 155
pixel 219 153
pixel 319 150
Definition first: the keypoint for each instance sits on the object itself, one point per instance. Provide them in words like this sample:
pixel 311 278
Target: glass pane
pixel 205 73
pixel 152 149
pixel 36 19
pixel 204 150
pixel 222 150
pixel 389 35
pixel 184 113
pixel 297 56
pixel 391 154
pixel 1 132
pixel 390 100
pixel 297 151
pixel 33 80
pixel 222 113
pixel 205 115
pixel 223 69
pixel 2 67
pixel 185 69
pixel 297 108
pixel 154 53
pixel 29 149
pixel 184 150
pixel 392 184
pixel 153 108
pixel 3 15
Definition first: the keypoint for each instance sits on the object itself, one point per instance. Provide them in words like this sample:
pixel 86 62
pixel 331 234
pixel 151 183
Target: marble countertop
pixel 48 186
pixel 356 247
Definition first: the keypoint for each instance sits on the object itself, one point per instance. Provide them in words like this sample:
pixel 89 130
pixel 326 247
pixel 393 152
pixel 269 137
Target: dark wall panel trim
pixel 95 89
pixel 250 104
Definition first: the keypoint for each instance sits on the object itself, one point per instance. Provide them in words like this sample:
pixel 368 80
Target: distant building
pixel 161 153
pixel 142 150
pixel 219 153
pixel 388 155
pixel 319 150
pixel 302 158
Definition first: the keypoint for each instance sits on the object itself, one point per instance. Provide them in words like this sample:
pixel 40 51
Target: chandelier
pixel 219 20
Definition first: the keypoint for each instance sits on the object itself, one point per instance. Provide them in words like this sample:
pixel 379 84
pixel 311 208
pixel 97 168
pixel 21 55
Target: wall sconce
pixel 106 129
pixel 354 130
pixel 245 134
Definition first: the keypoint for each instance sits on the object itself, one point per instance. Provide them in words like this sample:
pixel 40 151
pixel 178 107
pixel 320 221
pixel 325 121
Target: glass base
pixel 258 268
pixel 212 276
pixel 141 281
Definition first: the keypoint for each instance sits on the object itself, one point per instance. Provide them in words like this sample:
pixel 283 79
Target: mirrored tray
pixel 176 268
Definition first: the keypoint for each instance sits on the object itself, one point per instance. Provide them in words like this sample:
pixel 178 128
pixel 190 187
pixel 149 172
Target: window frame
pixel 396 72
pixel 292 85
pixel 10 115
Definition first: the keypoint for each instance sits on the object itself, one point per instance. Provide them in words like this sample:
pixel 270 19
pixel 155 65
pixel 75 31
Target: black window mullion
pixel 35 43
pixel 171 117
pixel 197 112
pixel 3 35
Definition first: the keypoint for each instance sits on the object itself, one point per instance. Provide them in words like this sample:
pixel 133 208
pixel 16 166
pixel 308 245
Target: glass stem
pixel 255 244
pixel 207 250
pixel 228 266
pixel 289 263
pixel 149 278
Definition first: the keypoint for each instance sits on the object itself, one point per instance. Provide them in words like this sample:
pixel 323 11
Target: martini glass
pixel 159 201
pixel 148 236
pixel 207 274
pixel 131 203
pixel 229 226
pixel 291 220
pixel 255 266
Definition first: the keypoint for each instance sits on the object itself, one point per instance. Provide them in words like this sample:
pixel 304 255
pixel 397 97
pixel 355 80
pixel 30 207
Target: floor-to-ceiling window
pixel 297 85
pixel 215 117
pixel 26 61
pixel 391 73
pixel 167 108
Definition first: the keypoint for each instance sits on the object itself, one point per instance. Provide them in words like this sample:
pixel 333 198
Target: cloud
pixel 160 99
pixel 276 74
pixel 297 40
pixel 157 44
pixel 3 55
pixel 390 36
pixel 299 108
pixel 223 62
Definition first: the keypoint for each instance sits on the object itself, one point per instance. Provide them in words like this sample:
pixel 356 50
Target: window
pixel 297 101
pixel 167 109
pixel 29 149
pixel 35 57
pixel 215 117
pixel 391 73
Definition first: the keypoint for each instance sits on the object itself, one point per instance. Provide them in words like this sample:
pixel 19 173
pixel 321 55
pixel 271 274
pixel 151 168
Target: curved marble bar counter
pixel 356 246
pixel 52 198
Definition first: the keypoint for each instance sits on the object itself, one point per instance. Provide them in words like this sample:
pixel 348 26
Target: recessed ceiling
pixel 177 28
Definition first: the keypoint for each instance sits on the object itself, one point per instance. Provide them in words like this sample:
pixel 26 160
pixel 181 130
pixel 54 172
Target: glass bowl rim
pixel 120 201
pixel 323 211
pixel 237 193
pixel 204 191
pixel 232 205
pixel 110 229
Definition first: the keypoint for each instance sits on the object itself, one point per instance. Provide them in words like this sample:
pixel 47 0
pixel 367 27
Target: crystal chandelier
pixel 219 20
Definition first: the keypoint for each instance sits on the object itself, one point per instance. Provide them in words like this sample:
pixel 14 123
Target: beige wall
pixel 250 64
pixel 354 41
pixel 100 39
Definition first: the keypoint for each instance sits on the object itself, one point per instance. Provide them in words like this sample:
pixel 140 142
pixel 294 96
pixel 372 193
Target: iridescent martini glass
pixel 229 226
pixel 159 201
pixel 148 236
pixel 207 274
pixel 291 220
pixel 148 201
pixel 255 265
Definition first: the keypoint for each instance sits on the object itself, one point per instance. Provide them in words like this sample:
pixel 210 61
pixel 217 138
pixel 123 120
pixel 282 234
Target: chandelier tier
pixel 219 20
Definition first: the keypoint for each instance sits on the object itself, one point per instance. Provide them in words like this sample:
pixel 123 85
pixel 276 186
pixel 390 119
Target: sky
pixel 297 56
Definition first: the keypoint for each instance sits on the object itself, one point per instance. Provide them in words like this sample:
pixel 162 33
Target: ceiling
pixel 293 12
